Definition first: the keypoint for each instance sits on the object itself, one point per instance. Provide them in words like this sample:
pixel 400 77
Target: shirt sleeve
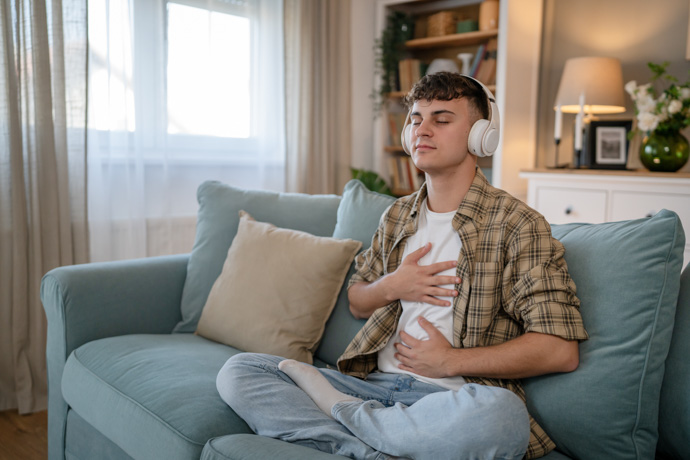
pixel 538 290
pixel 369 264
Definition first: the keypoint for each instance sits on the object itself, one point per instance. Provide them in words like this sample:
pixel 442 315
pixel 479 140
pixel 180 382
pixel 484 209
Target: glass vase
pixel 665 151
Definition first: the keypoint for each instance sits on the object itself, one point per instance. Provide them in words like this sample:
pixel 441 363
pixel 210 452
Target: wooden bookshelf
pixel 402 94
pixel 421 51
pixel 465 39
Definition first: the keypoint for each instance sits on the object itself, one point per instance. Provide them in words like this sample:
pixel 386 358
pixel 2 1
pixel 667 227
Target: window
pixel 180 92
pixel 188 79
pixel 208 50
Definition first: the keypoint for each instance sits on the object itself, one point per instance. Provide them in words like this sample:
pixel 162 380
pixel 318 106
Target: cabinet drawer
pixel 635 205
pixel 566 205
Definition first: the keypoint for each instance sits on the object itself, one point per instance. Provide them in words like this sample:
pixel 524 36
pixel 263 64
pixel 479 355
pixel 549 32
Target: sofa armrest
pixel 92 301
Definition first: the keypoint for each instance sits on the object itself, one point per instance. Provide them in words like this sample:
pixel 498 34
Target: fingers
pixel 436 301
pixel 441 280
pixel 415 256
pixel 408 339
pixel 439 267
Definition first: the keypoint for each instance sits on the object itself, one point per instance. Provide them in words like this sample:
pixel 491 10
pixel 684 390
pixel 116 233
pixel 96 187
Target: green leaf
pixel 372 181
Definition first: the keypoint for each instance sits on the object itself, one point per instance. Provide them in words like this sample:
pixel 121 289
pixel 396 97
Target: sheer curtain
pixel 43 220
pixel 179 92
pixel 317 75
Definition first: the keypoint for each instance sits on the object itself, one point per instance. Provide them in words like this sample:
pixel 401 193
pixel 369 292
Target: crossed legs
pixel 363 419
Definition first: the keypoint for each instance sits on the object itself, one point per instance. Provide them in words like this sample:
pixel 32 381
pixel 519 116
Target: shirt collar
pixel 472 205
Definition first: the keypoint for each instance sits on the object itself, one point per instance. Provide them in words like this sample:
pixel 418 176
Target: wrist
pixel 451 363
pixel 385 289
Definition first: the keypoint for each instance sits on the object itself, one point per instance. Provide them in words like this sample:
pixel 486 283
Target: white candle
pixel 559 123
pixel 578 123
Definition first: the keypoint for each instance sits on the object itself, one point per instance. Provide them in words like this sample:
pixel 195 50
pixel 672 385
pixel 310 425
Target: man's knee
pixel 239 373
pixel 505 427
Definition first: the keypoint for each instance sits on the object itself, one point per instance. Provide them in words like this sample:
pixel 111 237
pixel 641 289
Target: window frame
pixel 150 20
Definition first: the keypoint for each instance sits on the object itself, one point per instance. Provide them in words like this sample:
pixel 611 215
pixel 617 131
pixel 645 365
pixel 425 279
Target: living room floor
pixel 23 437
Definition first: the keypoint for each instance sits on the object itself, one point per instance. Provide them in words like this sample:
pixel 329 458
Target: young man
pixel 465 292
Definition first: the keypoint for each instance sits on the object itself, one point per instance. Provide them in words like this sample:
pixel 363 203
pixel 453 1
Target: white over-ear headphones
pixel 484 135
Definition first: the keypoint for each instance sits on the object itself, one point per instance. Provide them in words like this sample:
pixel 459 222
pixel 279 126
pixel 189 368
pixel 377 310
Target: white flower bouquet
pixel 667 113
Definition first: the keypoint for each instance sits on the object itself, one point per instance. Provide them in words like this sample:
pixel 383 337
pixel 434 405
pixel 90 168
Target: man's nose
pixel 423 129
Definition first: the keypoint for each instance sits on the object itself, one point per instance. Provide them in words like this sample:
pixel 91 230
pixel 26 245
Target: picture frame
pixel 607 144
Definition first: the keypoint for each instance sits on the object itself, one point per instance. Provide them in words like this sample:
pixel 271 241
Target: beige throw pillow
pixel 277 290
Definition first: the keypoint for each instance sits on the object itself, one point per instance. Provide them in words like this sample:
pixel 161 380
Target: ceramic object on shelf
pixel 442 65
pixel 488 15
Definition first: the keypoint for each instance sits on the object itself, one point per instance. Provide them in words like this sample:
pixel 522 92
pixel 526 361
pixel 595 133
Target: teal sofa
pixel 129 379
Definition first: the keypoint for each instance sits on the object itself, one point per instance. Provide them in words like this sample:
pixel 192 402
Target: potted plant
pixel 372 181
pixel 661 118
pixel 389 51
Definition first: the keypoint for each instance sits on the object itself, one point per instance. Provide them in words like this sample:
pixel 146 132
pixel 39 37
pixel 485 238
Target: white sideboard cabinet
pixel 596 196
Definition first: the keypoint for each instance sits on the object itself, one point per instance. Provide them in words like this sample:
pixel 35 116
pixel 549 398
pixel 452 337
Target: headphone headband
pixel 484 135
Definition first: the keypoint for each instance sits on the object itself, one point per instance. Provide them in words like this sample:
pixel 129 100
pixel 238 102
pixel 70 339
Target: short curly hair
pixel 446 86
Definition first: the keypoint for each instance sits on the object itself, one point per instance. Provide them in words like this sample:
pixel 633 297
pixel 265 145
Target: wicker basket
pixel 441 23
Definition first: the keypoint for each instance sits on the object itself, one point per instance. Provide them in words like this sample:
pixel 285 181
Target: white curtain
pixel 43 220
pixel 180 92
pixel 317 75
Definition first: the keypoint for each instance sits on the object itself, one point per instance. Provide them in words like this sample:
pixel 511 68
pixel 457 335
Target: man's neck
pixel 446 191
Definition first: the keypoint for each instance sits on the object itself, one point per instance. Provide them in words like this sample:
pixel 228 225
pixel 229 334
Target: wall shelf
pixel 467 38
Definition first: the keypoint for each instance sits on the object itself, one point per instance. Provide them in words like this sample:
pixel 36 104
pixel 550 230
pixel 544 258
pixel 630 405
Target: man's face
pixel 437 136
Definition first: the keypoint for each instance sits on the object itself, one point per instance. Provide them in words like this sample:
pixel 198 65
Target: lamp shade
pixel 599 79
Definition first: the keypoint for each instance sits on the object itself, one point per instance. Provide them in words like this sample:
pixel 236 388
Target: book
pixel 478 58
pixel 487 68
pixel 410 72
pixel 393 167
pixel 410 170
pixel 396 120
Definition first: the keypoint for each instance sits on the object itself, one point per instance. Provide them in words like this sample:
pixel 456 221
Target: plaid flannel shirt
pixel 513 280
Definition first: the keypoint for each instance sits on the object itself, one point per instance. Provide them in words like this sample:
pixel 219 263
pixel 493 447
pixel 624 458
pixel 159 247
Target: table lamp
pixel 589 85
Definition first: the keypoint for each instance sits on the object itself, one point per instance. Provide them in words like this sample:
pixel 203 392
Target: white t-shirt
pixel 437 229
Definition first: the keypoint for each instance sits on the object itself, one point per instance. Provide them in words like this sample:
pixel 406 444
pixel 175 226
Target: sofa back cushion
pixel 674 410
pixel 277 289
pixel 358 217
pixel 627 276
pixel 218 219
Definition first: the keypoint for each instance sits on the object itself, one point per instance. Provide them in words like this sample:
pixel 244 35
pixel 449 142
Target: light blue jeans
pixel 399 415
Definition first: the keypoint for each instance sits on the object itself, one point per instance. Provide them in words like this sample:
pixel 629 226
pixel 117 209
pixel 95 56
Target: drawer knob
pixel 568 210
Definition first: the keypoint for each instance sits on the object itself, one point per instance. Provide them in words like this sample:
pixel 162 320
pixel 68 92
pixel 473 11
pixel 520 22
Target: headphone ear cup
pixel 476 136
pixel 404 135
pixel 490 142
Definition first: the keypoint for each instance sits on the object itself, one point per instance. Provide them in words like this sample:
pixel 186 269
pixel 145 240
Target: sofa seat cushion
pixel 153 395
pixel 254 447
